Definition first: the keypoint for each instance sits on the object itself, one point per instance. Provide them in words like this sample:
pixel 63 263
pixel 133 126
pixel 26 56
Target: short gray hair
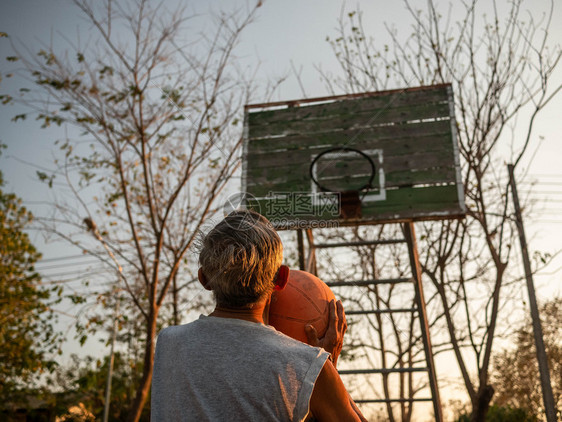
pixel 240 257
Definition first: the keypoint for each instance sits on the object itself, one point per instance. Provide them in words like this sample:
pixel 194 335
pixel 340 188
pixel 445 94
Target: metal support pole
pixel 300 243
pixel 311 260
pixel 547 395
pixel 410 235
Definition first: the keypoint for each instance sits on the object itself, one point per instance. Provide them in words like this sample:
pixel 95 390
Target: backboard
pixel 395 152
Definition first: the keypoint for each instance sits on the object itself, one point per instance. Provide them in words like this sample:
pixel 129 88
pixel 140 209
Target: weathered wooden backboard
pixel 299 156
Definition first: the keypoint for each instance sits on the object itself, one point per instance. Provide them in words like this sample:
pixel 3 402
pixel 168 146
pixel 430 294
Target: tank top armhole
pixel 302 406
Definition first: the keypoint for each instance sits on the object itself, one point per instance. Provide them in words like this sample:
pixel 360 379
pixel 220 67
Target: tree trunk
pixel 175 299
pixel 482 404
pixel 146 380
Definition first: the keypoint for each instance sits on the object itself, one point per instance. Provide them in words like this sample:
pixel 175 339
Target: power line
pixel 542 192
pixel 545 199
pixel 79 275
pixel 545 175
pixel 63 265
pixel 79 278
pixel 538 183
pixel 60 258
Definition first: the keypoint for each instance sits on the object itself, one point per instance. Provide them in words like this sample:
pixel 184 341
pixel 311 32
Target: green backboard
pixel 393 155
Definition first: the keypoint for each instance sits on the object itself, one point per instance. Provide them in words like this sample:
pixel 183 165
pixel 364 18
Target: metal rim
pixel 366 186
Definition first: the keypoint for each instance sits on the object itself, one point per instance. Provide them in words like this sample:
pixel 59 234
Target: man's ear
pixel 203 280
pixel 282 278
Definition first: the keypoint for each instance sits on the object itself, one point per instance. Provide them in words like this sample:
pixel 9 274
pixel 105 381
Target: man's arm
pixel 329 395
pixel 330 400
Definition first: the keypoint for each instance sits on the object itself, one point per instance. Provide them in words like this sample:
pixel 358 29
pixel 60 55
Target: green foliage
pixel 44 177
pixel 26 332
pixel 84 381
pixel 504 414
pixel 516 374
pixel 6 99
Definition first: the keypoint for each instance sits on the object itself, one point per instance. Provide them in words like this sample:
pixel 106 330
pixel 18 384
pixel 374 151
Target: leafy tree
pixel 27 337
pixel 83 381
pixel 501 66
pixel 515 371
pixel 503 414
pixel 158 106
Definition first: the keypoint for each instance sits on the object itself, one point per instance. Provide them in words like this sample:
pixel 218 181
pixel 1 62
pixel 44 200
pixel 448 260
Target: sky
pixel 287 34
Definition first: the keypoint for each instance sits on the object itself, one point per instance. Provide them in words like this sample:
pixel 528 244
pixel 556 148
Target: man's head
pixel 239 259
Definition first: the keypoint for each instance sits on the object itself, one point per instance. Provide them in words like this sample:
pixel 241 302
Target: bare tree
pixel 501 66
pixel 158 106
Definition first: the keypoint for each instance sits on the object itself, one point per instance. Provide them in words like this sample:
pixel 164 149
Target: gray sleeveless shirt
pixel 222 369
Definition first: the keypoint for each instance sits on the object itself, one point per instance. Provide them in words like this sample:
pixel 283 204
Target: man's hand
pixel 332 341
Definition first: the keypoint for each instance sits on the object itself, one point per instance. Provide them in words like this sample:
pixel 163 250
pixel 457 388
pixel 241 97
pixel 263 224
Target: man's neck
pixel 252 313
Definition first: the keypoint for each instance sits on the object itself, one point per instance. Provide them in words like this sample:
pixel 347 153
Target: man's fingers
pixel 311 335
pixel 333 316
pixel 341 317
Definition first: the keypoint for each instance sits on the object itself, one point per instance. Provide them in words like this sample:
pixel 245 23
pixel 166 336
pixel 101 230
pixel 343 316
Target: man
pixel 230 365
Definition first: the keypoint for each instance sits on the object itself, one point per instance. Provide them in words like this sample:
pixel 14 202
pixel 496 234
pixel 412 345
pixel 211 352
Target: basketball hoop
pixel 350 203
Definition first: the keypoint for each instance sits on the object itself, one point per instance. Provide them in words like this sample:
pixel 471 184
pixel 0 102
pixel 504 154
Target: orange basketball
pixel 304 300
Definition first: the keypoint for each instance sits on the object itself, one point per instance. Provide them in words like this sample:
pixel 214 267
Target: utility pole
pixel 547 395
